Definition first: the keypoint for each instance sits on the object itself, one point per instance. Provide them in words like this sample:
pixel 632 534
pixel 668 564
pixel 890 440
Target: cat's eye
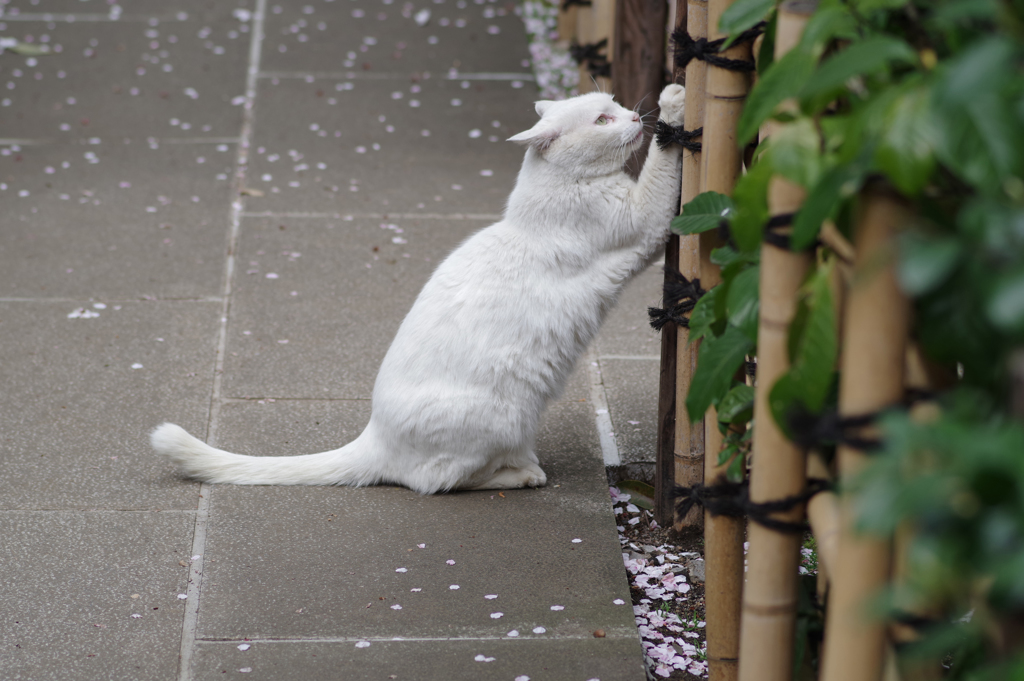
pixel 602 120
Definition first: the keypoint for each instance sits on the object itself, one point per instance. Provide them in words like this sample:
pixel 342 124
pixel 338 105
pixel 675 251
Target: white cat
pixel 498 328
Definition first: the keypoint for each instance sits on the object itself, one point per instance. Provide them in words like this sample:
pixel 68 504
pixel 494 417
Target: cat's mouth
pixel 638 137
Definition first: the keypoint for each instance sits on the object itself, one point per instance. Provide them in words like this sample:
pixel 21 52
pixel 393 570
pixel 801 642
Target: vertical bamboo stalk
pixel 689 437
pixel 593 24
pixel 567 24
pixel 874 340
pixel 778 466
pixel 639 74
pixel 664 480
pixel 725 93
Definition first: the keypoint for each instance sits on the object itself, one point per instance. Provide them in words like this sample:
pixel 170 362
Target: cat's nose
pixel 636 117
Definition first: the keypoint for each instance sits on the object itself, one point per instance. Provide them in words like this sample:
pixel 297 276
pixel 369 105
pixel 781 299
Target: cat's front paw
pixel 672 102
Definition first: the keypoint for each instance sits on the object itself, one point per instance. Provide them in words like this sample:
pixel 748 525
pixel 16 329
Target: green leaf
pixel 794 151
pixel 828 23
pixel 703 316
pixel 735 471
pixel 717 362
pixel 784 79
pixel 861 58
pixel 751 212
pixel 703 213
pixel 640 493
pixel 906 152
pixel 814 346
pixel 742 302
pixel 741 15
pixel 738 404
pixel 823 198
pixel 926 262
pixel 1006 303
pixel 814 365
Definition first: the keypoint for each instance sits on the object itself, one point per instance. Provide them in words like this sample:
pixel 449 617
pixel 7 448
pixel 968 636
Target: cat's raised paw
pixel 672 102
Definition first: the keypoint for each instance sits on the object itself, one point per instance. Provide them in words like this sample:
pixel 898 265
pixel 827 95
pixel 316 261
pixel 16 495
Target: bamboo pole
pixel 593 24
pixel 665 478
pixel 567 24
pixel 874 340
pixel 778 467
pixel 725 92
pixel 922 375
pixel 688 445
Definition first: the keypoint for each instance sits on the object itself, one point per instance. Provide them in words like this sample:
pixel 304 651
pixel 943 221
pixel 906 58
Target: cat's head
pixel 589 134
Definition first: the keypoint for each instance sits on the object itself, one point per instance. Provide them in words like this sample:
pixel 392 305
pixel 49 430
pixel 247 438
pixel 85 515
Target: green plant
pixel 927 97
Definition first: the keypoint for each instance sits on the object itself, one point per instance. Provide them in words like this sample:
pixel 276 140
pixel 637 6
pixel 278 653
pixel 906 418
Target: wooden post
pixel 665 479
pixel 689 437
pixel 778 467
pixel 873 360
pixel 639 51
pixel 639 73
pixel 566 24
pixel 725 93
pixel 593 24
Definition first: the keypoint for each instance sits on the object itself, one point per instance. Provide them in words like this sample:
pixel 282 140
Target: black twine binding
pixel 569 3
pixel 679 296
pixel 732 499
pixel 590 56
pixel 828 428
pixel 687 49
pixel 666 134
pixel 771 235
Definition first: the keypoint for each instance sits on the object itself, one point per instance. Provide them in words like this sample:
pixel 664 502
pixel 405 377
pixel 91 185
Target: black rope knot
pixel 732 499
pixel 679 296
pixel 829 428
pixel 590 56
pixel 666 134
pixel 688 49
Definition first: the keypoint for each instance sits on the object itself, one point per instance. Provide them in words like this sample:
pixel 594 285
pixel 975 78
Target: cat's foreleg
pixel 653 201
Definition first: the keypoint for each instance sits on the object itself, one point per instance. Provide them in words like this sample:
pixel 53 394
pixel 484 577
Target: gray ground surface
pixel 138 284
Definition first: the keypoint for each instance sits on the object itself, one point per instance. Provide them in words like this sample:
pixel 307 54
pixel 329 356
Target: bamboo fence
pixel 778 468
pixel 688 447
pixel 751 626
pixel 725 92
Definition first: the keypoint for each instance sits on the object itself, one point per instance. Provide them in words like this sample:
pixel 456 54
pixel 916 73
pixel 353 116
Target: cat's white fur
pixel 498 328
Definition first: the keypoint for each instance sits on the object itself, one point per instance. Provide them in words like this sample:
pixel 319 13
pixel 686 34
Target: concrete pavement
pixel 217 214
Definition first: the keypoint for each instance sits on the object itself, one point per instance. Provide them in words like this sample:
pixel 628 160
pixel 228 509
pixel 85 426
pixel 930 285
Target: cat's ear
pixel 540 136
pixel 542 106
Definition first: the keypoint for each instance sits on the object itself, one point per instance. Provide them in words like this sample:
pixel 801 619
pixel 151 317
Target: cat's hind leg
pixel 529 475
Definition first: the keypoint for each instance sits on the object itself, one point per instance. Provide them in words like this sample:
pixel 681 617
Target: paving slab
pixel 627 331
pixel 605 659
pixel 300 563
pixel 395 145
pixel 138 222
pixel 386 37
pixel 123 79
pixel 92 595
pixel 632 390
pixel 74 413
pixel 116 172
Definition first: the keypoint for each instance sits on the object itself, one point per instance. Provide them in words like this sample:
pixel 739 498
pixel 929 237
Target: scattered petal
pixel 363 644
pixel 243 646
pixel 497 615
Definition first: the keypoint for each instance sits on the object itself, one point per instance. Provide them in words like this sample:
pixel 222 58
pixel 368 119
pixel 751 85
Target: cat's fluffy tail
pixel 346 466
